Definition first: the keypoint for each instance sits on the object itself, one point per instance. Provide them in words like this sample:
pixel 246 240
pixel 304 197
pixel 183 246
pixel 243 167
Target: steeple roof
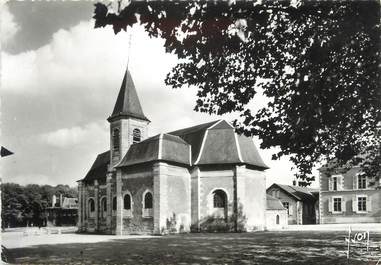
pixel 127 103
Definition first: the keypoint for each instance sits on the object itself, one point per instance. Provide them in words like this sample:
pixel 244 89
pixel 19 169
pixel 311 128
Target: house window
pixel 127 202
pixel 361 182
pixel 287 206
pixel 116 140
pixel 334 183
pixel 219 199
pixel 136 136
pixel 361 204
pixel 337 204
pixel 114 204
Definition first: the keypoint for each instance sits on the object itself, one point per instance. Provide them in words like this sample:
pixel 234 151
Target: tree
pixel 23 206
pixel 317 63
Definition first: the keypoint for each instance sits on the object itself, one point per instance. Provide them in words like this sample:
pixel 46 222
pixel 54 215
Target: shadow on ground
pixel 244 248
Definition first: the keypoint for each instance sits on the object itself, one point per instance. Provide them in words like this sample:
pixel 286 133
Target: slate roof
pixel 205 144
pixel 127 103
pixel 193 136
pixel 298 193
pixel 273 203
pixel 99 169
pixel 217 143
pixel 162 147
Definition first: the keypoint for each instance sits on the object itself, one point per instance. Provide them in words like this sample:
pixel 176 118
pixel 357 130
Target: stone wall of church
pixel 251 190
pixel 218 178
pixel 172 198
pixel 136 182
pixel 248 186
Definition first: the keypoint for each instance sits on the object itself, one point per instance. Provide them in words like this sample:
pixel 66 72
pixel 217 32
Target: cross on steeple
pixel 127 103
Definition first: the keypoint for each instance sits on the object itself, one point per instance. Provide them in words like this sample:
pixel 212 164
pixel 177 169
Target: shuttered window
pixel 337 204
pixel 361 182
pixel 361 204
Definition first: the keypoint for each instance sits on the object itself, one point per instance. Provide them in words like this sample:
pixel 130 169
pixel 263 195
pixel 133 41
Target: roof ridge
pixel 195 127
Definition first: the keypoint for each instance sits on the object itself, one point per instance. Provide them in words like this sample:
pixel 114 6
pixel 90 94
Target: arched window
pixel 91 205
pixel 114 204
pixel 115 139
pixel 104 204
pixel 136 136
pixel 148 200
pixel 127 202
pixel 219 199
pixel 277 219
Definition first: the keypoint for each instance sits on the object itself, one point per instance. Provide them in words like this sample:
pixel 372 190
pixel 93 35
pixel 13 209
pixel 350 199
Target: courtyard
pixel 283 247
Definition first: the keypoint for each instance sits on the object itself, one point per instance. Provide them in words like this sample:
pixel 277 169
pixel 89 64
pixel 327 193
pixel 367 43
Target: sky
pixel 59 81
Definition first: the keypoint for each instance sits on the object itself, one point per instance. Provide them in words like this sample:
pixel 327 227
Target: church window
pixel 219 199
pixel 277 219
pixel 114 204
pixel 104 207
pixel 116 139
pixel 136 136
pixel 148 200
pixel 104 204
pixel 127 202
pixel 91 205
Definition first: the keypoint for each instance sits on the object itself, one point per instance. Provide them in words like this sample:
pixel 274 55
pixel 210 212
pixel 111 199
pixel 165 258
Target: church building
pixel 171 182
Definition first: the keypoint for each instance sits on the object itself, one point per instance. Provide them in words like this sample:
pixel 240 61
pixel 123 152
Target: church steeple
pixel 127 103
pixel 128 124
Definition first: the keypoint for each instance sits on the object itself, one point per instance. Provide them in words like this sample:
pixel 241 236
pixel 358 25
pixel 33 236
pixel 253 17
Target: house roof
pixel 127 103
pixel 273 203
pixel 99 168
pixel 298 193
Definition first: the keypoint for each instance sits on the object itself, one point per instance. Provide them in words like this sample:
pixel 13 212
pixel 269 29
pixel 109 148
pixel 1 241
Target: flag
pixel 5 152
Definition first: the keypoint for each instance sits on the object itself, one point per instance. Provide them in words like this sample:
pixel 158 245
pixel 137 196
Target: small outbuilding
pixel 276 214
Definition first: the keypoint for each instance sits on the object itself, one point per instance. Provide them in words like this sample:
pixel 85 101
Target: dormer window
pixel 115 140
pixel 136 136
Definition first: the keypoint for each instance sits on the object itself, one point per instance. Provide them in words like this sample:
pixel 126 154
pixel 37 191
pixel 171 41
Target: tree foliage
pixel 317 63
pixel 25 205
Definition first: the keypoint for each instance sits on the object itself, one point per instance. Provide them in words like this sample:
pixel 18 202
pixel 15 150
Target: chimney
pixel 54 200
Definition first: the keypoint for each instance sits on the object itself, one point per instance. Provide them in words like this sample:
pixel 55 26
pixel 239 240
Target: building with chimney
pixel 171 182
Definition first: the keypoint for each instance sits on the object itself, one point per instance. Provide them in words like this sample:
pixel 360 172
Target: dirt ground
pixel 286 247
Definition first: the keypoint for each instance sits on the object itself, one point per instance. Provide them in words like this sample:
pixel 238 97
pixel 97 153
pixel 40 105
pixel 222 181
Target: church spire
pixel 127 103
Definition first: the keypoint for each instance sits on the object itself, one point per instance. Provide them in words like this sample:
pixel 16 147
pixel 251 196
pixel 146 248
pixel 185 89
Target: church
pixel 172 182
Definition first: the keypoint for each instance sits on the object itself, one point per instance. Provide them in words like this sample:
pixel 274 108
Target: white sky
pixel 59 85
